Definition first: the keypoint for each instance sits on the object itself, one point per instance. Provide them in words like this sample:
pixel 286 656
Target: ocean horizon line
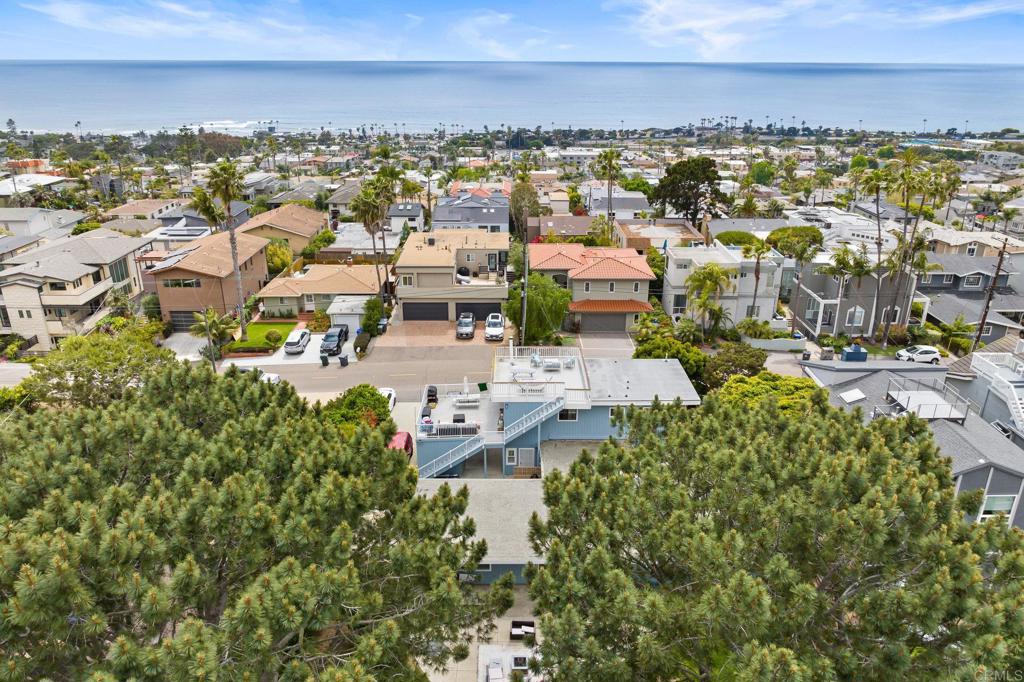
pixel 8 60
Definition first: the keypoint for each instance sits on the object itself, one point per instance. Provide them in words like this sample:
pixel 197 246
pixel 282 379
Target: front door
pixel 492 261
pixel 310 304
pixel 527 457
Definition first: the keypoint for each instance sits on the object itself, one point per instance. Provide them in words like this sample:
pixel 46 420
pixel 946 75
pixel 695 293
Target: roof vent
pixel 430 241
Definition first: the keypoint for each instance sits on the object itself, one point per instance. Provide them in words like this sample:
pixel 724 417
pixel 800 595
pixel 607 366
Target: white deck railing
pixel 1006 372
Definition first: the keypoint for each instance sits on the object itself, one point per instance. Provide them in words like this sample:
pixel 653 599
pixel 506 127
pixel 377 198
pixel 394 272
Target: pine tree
pixel 211 527
pixel 734 542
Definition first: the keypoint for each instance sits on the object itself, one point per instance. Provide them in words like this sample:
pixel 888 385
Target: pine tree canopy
pixel 211 528
pixel 734 542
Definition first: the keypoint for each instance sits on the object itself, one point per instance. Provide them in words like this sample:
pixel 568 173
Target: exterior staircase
pixel 466 449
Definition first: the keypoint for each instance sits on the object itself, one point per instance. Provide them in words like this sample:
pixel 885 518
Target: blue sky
pixel 969 31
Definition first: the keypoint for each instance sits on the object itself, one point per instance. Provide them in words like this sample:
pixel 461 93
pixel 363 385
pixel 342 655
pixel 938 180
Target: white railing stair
pixel 456 455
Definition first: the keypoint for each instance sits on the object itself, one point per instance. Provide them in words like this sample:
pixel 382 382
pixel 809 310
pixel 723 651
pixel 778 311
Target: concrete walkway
pixel 11 373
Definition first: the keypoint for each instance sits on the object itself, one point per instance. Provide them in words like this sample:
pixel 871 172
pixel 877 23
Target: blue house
pixel 535 396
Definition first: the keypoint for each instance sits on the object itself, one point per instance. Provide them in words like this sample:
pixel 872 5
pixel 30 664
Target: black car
pixel 465 328
pixel 334 340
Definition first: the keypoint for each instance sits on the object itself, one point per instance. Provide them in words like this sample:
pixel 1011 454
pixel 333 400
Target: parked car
pixel 928 354
pixel 465 328
pixel 268 377
pixel 334 340
pixel 494 327
pixel 391 396
pixel 402 441
pixel 296 342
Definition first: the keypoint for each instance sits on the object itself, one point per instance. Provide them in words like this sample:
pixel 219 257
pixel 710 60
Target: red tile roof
pixel 610 306
pixel 583 262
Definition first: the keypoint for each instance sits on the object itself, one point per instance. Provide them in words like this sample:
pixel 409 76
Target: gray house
pixel 981 456
pixel 406 213
pixel 473 210
pixel 957 287
pixel 173 217
pixel 993 380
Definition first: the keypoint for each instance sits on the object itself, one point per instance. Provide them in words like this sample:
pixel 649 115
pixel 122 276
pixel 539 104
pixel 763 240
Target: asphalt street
pixel 407 370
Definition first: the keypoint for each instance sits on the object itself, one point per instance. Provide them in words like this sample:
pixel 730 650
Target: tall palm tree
pixel 757 251
pixel 856 179
pixel 225 183
pixel 802 251
pixel 367 209
pixel 606 167
pixel 875 183
pixel 1007 215
pixel 905 180
pixel 839 268
pixel 909 255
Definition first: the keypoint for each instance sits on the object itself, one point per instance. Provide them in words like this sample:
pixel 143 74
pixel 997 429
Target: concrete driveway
pixel 605 345
pixel 11 373
pixel 430 335
pixel 185 346
pixel 311 356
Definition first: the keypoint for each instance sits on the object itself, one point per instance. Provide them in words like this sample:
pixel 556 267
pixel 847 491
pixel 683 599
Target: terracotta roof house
pixel 609 285
pixel 200 276
pixel 293 223
pixel 315 287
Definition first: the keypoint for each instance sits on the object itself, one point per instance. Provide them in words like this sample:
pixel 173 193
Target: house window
pixel 5 319
pixel 753 311
pixel 470 257
pixel 986 330
pixel 511 457
pixel 885 315
pixel 678 304
pixel 947 279
pixel 483 568
pixel 972 249
pixel 636 318
pixel 520 662
pixel 181 283
pixel 972 281
pixel 855 316
pixel 586 287
pixel 743 275
pixel 811 312
pixel 406 280
pixel 58 286
pixel 119 270
pixel 636 287
pixel 611 287
pixel 568 416
pixel 995 505
pixel 926 278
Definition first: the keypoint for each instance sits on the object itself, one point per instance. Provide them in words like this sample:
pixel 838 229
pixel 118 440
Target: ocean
pixel 420 96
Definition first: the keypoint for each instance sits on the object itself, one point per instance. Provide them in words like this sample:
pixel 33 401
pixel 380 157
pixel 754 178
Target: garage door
pixel 181 320
pixel 424 311
pixel 594 322
pixel 481 310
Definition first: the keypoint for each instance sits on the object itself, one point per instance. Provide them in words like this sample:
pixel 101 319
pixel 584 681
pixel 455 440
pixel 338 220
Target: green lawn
pixel 258 330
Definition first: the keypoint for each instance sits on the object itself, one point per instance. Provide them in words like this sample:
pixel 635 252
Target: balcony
pixel 999 367
pixel 540 374
pixel 928 399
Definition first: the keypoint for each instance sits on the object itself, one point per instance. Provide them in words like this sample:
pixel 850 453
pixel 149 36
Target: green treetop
pixel 212 528
pixel 734 542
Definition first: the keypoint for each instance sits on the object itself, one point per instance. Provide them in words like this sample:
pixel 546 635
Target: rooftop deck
pixel 538 374
pixel 927 398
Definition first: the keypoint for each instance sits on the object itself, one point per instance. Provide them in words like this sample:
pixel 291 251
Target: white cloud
pixel 412 20
pixel 495 34
pixel 275 34
pixel 716 30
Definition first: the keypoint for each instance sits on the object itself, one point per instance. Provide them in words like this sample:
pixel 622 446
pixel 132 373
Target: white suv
pixel 494 328
pixel 296 342
pixel 928 354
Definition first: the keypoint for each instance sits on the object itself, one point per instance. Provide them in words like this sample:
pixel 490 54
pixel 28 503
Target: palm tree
pixel 757 251
pixel 272 148
pixel 856 178
pixel 225 184
pixel 217 329
pixel 367 209
pixel 707 283
pixel 875 183
pixel 1007 215
pixel 822 180
pixel 957 327
pixel 773 209
pixel 607 168
pixel 746 209
pixel 802 251
pixel 905 180
pixel 839 268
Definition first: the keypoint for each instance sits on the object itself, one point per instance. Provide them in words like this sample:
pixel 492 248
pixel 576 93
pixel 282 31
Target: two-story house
pixel 405 213
pixel 146 209
pixel 60 289
pixel 444 273
pixel 609 286
pixel 956 286
pixel 293 223
pixel 737 297
pixel 626 205
pixel 200 275
pixel 477 209
pixel 983 243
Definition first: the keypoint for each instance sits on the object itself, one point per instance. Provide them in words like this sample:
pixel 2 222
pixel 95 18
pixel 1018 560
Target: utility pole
pixel 988 297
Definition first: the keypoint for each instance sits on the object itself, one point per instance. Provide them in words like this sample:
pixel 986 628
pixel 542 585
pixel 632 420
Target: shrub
pixel 362 342
pixel 322 240
pixel 960 346
pixel 15 396
pixel 755 329
pixel 778 238
pixel 151 307
pixel 362 403
pixel 210 352
pixel 321 322
pixel 737 238
pixel 167 328
pixel 250 346
pixel 273 336
pixel 11 352
pixel 730 335
pixel 734 359
pixel 899 335
pixel 687 331
pixel 372 312
pixel 688 356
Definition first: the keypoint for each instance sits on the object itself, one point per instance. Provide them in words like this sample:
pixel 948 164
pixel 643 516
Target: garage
pixel 182 320
pixel 481 310
pixel 603 322
pixel 424 311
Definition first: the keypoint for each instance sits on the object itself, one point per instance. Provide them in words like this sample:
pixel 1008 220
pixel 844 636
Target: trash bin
pixel 807 355
pixel 343 359
pixel 323 359
pixel 382 325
